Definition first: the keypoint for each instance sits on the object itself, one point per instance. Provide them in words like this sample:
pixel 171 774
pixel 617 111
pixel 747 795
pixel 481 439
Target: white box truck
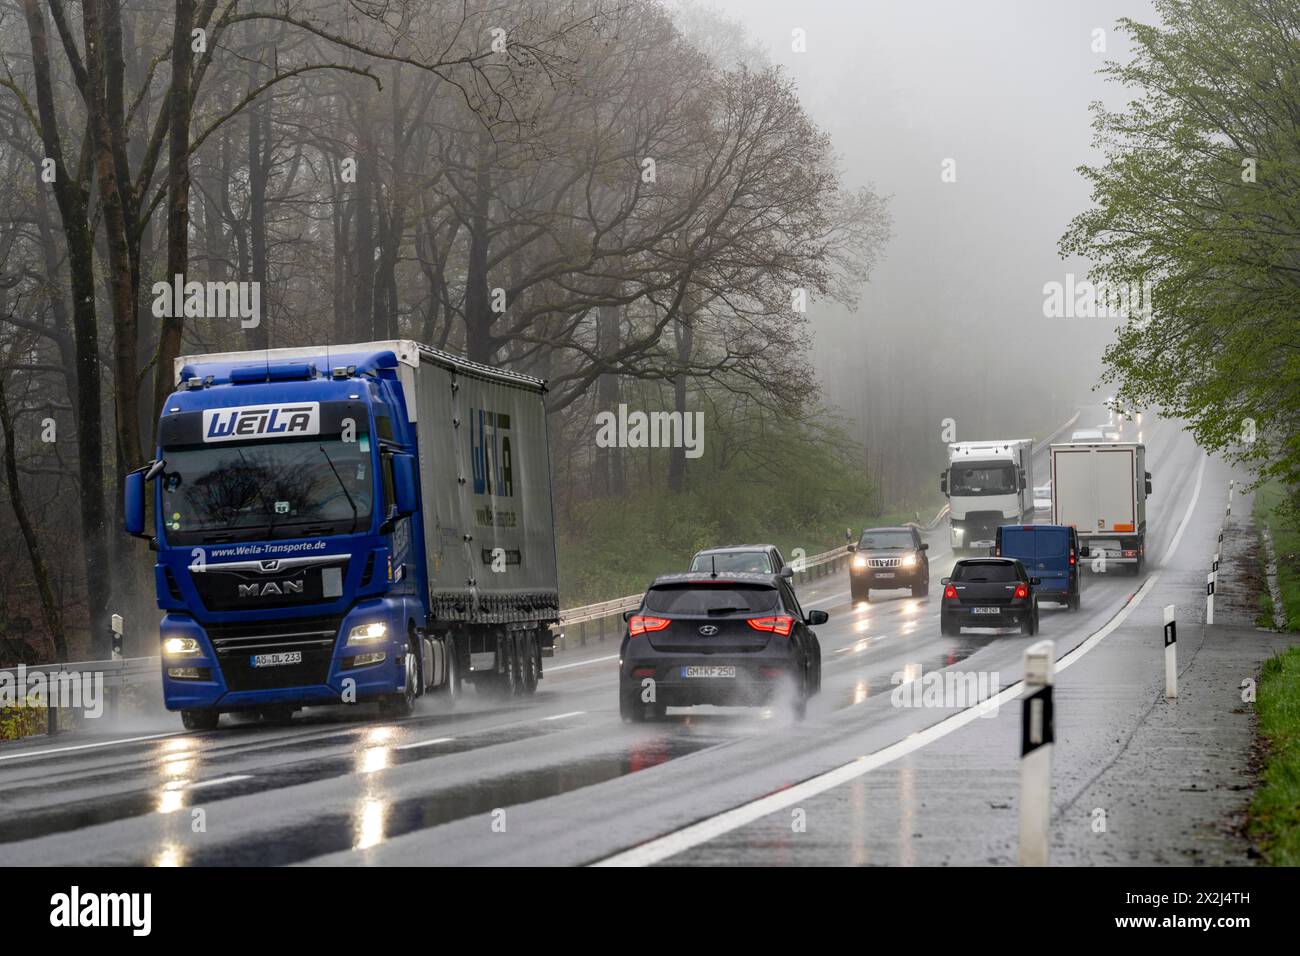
pixel 988 483
pixel 1101 489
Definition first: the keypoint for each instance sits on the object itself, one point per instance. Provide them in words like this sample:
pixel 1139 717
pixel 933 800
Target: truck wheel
pixel 279 715
pixel 1073 603
pixel 403 704
pixel 451 687
pixel 922 589
pixel 862 595
pixel 530 667
pixel 509 673
pixel 200 719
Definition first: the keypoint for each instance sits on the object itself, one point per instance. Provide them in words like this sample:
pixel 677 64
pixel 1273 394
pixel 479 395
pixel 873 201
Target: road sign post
pixel 1171 653
pixel 1036 736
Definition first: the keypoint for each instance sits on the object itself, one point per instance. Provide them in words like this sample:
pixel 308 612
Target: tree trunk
pixel 71 200
pixel 49 604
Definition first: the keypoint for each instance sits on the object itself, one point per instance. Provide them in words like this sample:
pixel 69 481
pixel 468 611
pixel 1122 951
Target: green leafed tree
pixel 1199 196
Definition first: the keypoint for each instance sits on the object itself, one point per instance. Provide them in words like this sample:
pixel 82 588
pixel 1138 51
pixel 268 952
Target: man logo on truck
pixel 260 421
pixel 489 443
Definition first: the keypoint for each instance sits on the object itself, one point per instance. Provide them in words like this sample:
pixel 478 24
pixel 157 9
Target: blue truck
pixel 347 523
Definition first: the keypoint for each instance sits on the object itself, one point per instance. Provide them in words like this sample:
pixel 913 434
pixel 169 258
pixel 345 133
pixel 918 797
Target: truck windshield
pixel 255 490
pixel 983 479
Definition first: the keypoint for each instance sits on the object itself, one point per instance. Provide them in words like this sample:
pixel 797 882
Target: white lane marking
pixel 102 743
pixel 833 597
pixel 661 848
pixel 572 713
pixel 594 660
pixel 216 781
pixel 424 743
pixel 653 851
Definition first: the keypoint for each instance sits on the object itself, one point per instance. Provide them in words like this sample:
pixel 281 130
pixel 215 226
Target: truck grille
pixel 236 644
pixel 884 562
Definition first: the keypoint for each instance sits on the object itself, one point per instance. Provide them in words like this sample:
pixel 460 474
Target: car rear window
pixel 754 562
pixel 1047 543
pixel 985 571
pixel 710 599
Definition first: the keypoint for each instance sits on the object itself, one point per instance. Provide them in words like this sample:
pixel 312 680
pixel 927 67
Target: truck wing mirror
pixel 943 482
pixel 852 548
pixel 406 497
pixel 1148 481
pixel 1023 482
pixel 133 503
pixel 925 546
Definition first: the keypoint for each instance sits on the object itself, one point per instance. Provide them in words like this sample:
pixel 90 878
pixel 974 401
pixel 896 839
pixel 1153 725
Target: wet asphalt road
pixel 553 779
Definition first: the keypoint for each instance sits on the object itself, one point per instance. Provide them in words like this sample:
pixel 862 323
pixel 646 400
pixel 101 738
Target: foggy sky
pixel 1003 88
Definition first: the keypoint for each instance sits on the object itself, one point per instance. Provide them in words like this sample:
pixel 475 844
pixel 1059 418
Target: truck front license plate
pixel 986 610
pixel 275 660
pixel 884 574
pixel 715 670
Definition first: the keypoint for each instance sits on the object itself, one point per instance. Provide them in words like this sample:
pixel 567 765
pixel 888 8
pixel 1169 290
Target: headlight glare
pixel 368 633
pixel 180 646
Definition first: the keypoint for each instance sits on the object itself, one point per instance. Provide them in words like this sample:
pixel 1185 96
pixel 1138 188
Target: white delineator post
pixel 1209 598
pixel 1036 736
pixel 1171 653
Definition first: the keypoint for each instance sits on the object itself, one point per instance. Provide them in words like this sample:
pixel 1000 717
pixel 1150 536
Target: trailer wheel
pixel 530 663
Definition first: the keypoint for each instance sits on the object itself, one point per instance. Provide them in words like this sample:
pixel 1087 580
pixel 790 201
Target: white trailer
pixel 1101 489
pixel 987 483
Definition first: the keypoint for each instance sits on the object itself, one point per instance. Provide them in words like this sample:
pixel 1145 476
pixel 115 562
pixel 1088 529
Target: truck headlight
pixel 367 633
pixel 909 561
pixel 859 561
pixel 180 646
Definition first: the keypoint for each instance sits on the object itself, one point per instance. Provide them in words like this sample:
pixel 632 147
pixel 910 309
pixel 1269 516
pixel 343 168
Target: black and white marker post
pixel 1036 735
pixel 117 656
pixel 1171 653
pixel 1209 598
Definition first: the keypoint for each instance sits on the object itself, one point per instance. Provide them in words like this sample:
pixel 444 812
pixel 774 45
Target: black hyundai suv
pixel 889 558
pixel 730 638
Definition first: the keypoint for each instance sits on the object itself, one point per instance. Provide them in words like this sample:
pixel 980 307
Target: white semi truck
pixel 1101 489
pixel 988 483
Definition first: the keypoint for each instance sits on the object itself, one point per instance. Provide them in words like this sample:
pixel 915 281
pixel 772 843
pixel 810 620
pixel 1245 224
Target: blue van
pixel 1049 552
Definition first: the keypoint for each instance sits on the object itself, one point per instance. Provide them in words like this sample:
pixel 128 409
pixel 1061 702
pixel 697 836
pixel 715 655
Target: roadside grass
pixel 1275 809
pixel 1270 500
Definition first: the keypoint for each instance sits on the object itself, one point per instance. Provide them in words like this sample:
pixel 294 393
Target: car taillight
pixel 950 593
pixel 777 625
pixel 1022 591
pixel 639 624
